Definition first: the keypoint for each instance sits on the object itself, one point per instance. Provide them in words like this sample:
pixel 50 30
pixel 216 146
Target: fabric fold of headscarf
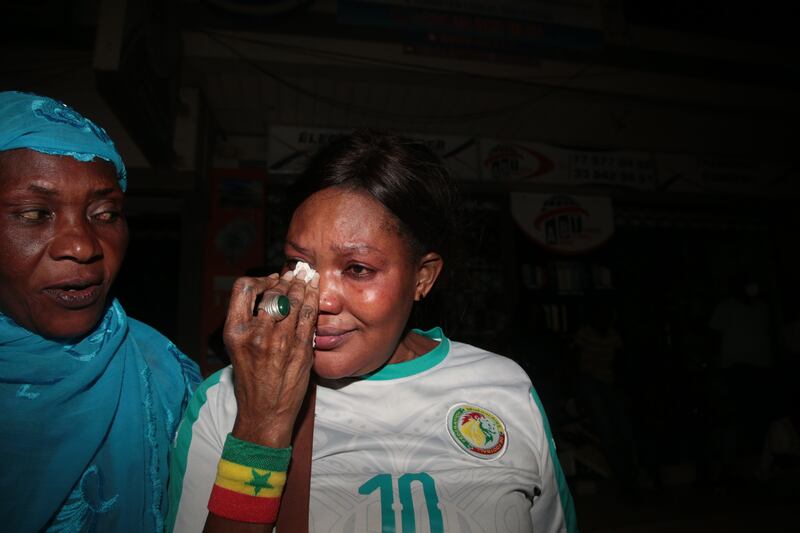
pixel 46 125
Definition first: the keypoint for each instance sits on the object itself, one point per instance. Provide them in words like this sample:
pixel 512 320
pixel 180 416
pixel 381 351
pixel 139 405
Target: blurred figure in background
pixel 740 393
pixel 782 439
pixel 541 352
pixel 597 346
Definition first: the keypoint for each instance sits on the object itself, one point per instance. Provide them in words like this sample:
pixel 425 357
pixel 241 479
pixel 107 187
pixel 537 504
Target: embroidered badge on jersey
pixel 477 431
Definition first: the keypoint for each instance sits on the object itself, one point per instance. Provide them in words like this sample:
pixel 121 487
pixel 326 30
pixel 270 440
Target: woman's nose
pixel 76 240
pixel 329 294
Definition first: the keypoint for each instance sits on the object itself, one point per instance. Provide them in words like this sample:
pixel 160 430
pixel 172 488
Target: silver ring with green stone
pixel 277 307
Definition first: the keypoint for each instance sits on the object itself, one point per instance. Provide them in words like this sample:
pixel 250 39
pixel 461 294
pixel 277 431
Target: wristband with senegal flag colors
pixel 250 480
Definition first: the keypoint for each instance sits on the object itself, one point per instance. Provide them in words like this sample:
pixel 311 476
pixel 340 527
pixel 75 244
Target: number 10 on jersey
pixel 383 484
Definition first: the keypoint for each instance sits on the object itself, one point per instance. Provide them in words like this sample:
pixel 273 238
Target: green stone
pixel 283 305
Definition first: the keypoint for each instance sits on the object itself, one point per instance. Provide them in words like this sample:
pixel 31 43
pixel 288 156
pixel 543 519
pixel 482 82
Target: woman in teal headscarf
pixel 90 398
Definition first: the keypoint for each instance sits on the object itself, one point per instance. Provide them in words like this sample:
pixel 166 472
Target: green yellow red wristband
pixel 250 481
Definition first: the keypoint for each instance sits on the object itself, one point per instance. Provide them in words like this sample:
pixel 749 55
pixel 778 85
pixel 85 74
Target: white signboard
pixel 290 148
pixel 725 175
pixel 287 149
pixel 542 163
pixel 459 153
pixel 564 223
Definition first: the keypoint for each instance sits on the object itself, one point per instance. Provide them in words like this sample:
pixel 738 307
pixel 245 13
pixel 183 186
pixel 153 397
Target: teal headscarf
pixel 40 123
pixel 86 424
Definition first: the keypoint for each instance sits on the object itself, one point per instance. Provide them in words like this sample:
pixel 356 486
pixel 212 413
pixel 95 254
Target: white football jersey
pixel 453 441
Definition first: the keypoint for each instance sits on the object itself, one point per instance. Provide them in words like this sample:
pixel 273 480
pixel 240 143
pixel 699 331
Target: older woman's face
pixel 62 240
pixel 368 279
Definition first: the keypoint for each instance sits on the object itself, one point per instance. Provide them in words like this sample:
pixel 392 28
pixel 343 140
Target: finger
pixel 300 356
pixel 307 316
pixel 244 293
pixel 282 337
pixel 279 289
pixel 296 294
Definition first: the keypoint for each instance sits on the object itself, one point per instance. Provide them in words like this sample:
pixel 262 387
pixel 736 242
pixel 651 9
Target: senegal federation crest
pixel 477 431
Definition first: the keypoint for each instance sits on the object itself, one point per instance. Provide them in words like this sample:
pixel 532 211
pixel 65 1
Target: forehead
pixel 21 168
pixel 342 216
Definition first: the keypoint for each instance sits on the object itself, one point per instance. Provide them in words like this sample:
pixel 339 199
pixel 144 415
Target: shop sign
pixel 543 163
pixel 519 161
pixel 727 175
pixel 459 153
pixel 289 149
pixel 622 168
pixel 564 223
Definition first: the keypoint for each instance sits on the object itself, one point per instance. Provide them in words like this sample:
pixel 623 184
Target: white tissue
pixel 303 271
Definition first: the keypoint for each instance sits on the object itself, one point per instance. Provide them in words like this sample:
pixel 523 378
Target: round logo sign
pixel 477 431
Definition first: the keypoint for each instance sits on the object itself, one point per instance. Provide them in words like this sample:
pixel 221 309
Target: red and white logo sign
pixel 564 223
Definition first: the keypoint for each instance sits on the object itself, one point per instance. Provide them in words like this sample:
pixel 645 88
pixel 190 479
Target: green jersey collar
pixel 420 364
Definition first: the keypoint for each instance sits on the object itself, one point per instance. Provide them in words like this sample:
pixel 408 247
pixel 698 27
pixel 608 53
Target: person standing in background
pixel 740 393
pixel 597 345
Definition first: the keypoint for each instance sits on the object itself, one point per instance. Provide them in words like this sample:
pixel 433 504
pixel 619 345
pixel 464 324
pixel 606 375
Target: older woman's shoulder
pixel 167 363
pixel 145 334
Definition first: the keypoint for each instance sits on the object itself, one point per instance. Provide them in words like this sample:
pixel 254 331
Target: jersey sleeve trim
pixel 183 440
pixel 567 504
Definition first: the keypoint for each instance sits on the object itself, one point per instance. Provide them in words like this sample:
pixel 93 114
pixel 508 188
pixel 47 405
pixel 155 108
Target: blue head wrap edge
pixel 43 124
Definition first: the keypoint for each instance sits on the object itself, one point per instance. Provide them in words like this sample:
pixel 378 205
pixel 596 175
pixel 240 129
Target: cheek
pixel 115 244
pixel 19 272
pixel 18 254
pixel 383 303
pixel 372 296
pixel 20 239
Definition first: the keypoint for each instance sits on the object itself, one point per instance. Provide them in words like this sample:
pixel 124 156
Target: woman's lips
pixel 329 339
pixel 75 297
